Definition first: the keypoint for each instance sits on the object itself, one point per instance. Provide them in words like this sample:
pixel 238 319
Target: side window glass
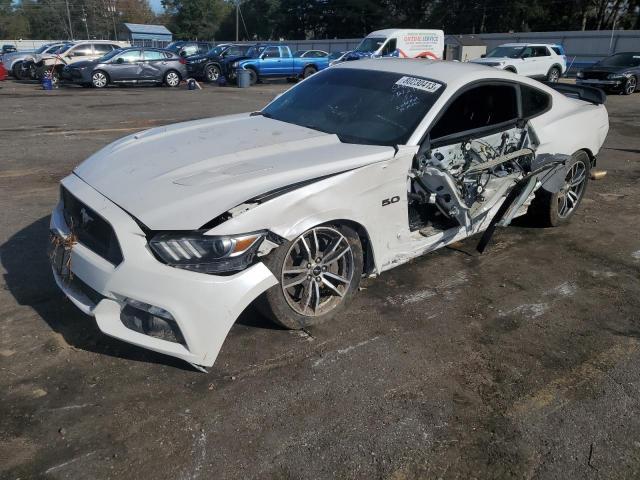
pixel 101 48
pixel 82 50
pixel 534 101
pixel 390 47
pixel 189 50
pixel 541 52
pixel 480 107
pixel 527 52
pixel 130 56
pixel 153 55
pixel 285 52
pixel 271 52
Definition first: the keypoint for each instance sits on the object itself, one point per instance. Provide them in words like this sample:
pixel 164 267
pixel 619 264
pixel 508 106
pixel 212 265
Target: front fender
pixel 356 196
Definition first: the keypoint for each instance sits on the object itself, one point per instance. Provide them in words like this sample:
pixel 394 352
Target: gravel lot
pixel 520 363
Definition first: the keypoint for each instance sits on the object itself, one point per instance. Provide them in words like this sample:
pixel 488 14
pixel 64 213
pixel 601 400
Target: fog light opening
pixel 151 320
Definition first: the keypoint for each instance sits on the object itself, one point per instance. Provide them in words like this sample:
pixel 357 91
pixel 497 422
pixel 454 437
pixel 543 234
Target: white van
pixel 403 43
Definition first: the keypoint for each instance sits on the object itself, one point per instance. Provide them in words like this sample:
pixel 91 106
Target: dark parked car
pixel 131 66
pixel 619 73
pixel 186 48
pixel 9 48
pixel 211 65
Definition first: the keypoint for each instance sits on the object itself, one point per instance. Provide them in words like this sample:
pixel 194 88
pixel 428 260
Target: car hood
pixel 181 176
pixel 491 60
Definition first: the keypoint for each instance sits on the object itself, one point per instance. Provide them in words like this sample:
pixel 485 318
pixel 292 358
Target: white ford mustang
pixel 166 236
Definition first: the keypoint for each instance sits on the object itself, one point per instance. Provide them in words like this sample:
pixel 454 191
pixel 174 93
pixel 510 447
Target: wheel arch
pixel 511 68
pixel 555 65
pixel 368 264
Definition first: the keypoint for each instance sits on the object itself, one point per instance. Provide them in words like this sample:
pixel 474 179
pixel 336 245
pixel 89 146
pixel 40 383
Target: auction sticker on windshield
pixel 419 83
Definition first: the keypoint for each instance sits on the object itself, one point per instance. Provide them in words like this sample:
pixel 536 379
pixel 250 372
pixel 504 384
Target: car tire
pixel 554 209
pixel 16 70
pixel 630 85
pixel 317 291
pixel 308 71
pixel 99 79
pixel 253 76
pixel 553 75
pixel 172 79
pixel 212 73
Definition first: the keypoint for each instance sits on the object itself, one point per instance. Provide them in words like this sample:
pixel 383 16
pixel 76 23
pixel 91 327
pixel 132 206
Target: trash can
pixel 47 84
pixel 244 78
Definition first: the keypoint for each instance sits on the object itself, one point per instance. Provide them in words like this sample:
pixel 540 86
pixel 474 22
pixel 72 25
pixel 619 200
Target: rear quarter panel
pixel 571 125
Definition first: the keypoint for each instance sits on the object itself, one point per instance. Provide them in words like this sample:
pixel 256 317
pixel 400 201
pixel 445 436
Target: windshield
pixel 621 60
pixel 502 52
pixel 216 51
pixel 64 48
pixel 335 55
pixel 254 52
pixel 175 46
pixel 370 44
pixel 109 55
pixel 360 106
pixel 42 48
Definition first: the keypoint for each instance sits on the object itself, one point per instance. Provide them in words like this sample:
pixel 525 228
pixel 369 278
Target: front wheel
pixel 554 209
pixel 17 70
pixel 554 75
pixel 253 76
pixel 212 73
pixel 319 273
pixel 172 79
pixel 99 79
pixel 630 85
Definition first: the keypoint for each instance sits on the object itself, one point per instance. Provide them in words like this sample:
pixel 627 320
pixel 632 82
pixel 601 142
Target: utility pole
pixel 69 18
pixel 86 24
pixel 237 17
pixel 112 9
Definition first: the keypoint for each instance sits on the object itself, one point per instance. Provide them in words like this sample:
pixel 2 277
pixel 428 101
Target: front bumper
pixel 195 70
pixel 204 306
pixel 613 84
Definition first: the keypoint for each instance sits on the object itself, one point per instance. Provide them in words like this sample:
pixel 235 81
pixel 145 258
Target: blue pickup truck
pixel 276 61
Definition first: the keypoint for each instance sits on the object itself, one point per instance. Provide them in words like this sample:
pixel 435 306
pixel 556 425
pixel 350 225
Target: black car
pixel 619 73
pixel 187 48
pixel 212 64
pixel 8 49
pixel 133 65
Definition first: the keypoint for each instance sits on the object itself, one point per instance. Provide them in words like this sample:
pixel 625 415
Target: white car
pixel 167 235
pixel 536 60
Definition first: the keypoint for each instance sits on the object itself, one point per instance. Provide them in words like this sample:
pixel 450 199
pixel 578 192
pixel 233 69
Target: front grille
pixel 595 75
pixel 91 230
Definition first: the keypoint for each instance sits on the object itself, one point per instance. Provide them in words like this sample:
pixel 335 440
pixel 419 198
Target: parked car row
pixel 99 63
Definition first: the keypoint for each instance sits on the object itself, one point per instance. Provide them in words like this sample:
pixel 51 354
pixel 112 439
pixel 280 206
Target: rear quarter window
pixel 558 50
pixel 534 101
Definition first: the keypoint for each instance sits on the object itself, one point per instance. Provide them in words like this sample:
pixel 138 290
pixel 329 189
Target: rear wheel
pixel 212 73
pixel 319 273
pixel 630 85
pixel 308 71
pixel 554 209
pixel 99 79
pixel 172 79
pixel 554 75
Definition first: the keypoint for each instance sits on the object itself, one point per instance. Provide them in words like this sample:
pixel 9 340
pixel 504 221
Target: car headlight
pixel 200 60
pixel 617 76
pixel 580 74
pixel 234 65
pixel 207 253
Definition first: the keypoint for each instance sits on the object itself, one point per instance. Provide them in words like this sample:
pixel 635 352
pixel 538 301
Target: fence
pixel 582 48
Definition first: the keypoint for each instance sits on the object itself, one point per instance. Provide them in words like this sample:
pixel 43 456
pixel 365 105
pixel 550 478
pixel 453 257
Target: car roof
pixel 528 44
pixel 387 32
pixel 453 74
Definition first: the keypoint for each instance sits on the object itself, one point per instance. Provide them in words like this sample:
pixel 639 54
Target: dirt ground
pixel 520 363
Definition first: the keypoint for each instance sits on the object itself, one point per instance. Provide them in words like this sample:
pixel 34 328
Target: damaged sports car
pixel 167 235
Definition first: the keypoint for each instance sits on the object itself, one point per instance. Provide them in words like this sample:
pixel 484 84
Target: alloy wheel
pixel 554 75
pixel 213 73
pixel 630 85
pixel 99 80
pixel 172 79
pixel 572 190
pixel 317 271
